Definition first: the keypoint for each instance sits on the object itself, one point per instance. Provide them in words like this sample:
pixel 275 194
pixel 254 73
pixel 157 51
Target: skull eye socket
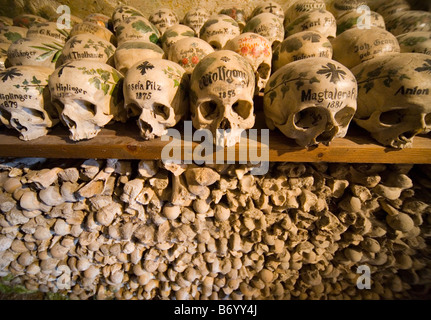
pixel 209 110
pixel 87 106
pixel 428 119
pixel 344 116
pixel 5 115
pixel 242 108
pixel 263 70
pixel 161 110
pixel 308 118
pixel 392 117
pixel 34 113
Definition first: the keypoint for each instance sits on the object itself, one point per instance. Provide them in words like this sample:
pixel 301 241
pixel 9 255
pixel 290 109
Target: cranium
pixel 87 95
pixel 270 7
pixel 267 25
pixel 354 46
pixel 25 101
pixel 188 52
pixel 221 95
pixel 88 47
pixel 394 101
pixel 237 14
pixel 408 21
pixel 42 52
pixel 311 101
pixel 163 19
pixel 10 34
pixel 388 8
pixel 27 20
pixel 5 21
pixel 155 91
pixel 121 13
pixel 136 28
pixel 130 52
pixel 316 20
pixel 350 19
pixel 218 30
pixel 301 6
pixel 339 7
pixel 301 45
pixel 173 34
pixel 98 19
pixel 195 19
pixel 418 41
pixel 95 29
pixel 256 49
pixel 48 29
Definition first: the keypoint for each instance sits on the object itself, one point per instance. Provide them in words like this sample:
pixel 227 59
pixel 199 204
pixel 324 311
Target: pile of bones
pixel 147 230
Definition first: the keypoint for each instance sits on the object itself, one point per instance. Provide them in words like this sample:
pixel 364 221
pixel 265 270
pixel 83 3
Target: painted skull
pixel 256 49
pixel 221 96
pixel 419 41
pixel 354 19
pixel 267 25
pixel 311 101
pixel 25 101
pixel 163 19
pixel 173 34
pixel 301 45
pixel 339 7
pixel 394 98
pixel 137 28
pixel 48 29
pixel 354 46
pixel 218 30
pixel 88 47
pixel 98 19
pixel 300 6
pixel 237 14
pixel 10 34
pixel 316 20
pixel 121 13
pixel 188 52
pixel 195 19
pixel 271 7
pixel 408 21
pixel 388 8
pixel 42 52
pixel 27 20
pixel 131 52
pixel 95 29
pixel 87 95
pixel 155 92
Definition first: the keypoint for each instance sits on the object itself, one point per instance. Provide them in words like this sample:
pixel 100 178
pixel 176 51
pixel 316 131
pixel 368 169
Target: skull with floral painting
pixel 237 14
pixel 10 34
pixel 256 49
pixel 121 13
pixel 164 18
pixel 271 7
pixel 188 52
pixel 136 28
pixel 173 34
pixel 25 103
pixel 311 101
pixel 418 41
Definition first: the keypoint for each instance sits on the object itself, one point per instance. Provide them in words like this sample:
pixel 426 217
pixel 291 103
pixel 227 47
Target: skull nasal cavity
pixel 225 124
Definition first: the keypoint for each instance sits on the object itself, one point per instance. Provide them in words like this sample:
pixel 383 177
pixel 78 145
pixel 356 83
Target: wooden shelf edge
pixel 119 142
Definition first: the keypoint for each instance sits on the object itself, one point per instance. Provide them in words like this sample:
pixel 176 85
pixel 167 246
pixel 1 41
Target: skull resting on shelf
pixel 311 101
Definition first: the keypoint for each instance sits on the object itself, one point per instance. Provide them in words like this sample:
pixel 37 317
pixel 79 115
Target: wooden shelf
pixel 122 141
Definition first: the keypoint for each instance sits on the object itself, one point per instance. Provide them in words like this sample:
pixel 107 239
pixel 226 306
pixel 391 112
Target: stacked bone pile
pixel 329 62
pixel 140 230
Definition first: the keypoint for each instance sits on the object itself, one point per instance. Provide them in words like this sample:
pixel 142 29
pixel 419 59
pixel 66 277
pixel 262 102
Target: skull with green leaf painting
pixel 25 103
pixel 136 28
pixel 88 95
pixel 155 93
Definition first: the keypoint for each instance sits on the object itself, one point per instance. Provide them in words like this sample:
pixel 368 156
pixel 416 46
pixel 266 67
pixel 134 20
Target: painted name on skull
pixel 321 96
pixel 412 91
pixel 84 55
pixel 225 75
pixel 65 89
pixel 148 85
pixel 18 54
